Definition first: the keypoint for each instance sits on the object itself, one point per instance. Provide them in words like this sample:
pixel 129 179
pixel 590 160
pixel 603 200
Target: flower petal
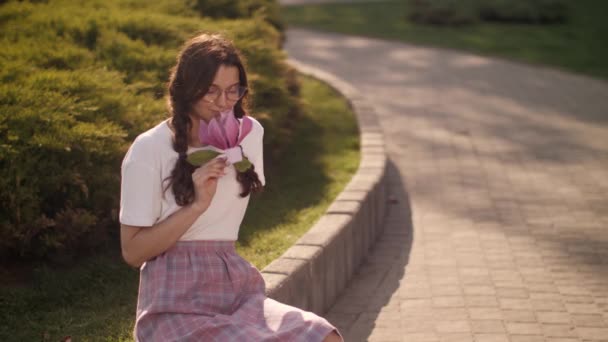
pixel 216 135
pixel 246 126
pixel 203 132
pixel 231 128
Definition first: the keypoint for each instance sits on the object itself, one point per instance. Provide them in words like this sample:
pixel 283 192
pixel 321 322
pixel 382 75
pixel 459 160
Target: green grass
pixel 95 301
pixel 578 45
pixel 322 157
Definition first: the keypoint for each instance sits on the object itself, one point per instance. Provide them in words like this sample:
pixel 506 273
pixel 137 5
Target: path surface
pixel 501 173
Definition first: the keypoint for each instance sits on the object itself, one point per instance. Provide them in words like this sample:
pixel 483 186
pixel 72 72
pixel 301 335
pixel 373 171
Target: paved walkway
pixel 500 170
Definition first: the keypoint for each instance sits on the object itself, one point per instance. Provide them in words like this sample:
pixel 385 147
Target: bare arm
pixel 140 244
pixel 143 243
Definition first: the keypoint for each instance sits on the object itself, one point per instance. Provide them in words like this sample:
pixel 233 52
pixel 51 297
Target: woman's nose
pixel 221 100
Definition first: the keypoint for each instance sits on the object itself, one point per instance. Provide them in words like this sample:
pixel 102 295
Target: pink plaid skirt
pixel 204 291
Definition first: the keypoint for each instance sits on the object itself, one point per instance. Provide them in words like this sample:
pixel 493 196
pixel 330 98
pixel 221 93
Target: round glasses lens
pixel 212 94
pixel 232 94
pixel 235 93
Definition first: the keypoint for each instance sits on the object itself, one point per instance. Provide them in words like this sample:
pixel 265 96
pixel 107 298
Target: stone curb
pixel 314 271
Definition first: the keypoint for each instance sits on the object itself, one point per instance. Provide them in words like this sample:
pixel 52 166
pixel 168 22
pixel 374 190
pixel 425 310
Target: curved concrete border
pixel 315 270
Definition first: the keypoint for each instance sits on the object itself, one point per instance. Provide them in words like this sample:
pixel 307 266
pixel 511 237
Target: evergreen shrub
pixel 269 10
pixel 80 80
pixel 529 11
pixel 442 12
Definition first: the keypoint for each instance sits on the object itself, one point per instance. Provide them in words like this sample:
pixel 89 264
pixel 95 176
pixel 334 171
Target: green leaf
pixel 243 165
pixel 199 158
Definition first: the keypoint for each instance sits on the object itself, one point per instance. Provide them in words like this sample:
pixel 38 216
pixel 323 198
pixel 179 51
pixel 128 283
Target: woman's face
pixel 217 100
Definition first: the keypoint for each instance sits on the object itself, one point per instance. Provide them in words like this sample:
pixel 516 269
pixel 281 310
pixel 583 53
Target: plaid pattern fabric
pixel 204 291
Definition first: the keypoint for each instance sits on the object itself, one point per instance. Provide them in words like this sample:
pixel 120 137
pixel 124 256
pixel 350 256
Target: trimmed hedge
pixel 79 82
pixel 461 12
pixel 529 11
pixel 268 10
pixel 442 12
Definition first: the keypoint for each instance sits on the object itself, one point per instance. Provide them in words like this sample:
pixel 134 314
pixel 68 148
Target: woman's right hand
pixel 205 180
pixel 140 244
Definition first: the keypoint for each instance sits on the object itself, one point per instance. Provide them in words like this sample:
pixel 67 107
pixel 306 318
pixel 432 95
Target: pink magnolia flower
pixel 226 133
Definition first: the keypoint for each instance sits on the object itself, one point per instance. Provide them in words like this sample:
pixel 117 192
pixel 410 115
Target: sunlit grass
pixel 324 154
pixel 578 45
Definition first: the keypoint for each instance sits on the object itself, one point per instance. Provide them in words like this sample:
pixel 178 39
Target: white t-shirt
pixel 149 162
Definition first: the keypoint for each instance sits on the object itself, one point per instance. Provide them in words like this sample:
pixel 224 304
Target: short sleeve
pixel 141 184
pixel 140 195
pixel 256 151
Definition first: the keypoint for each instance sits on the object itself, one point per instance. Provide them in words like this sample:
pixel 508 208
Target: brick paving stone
pixel 485 314
pixel 445 280
pixel 446 290
pixel 559 330
pixel 455 337
pixel 481 301
pixel 593 334
pixel 381 334
pixel 416 304
pixel 512 292
pixel 479 290
pixel 452 326
pixel 516 328
pixel 417 325
pixel 448 302
pixel 545 296
pixel 501 172
pixel 515 304
pixel 579 299
pixel 527 338
pixel 553 317
pixel 588 320
pixel 550 305
pixel 488 326
pixel 561 339
pixel 491 338
pixel 582 308
pixel 542 288
pixel 421 337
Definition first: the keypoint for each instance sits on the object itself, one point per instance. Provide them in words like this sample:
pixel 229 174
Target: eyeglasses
pixel 233 93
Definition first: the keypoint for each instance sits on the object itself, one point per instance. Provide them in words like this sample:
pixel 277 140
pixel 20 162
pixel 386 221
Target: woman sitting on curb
pixel 185 189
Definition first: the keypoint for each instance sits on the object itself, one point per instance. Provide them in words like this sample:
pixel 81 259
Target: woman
pixel 179 221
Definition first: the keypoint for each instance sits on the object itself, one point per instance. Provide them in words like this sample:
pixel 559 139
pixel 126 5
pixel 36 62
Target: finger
pixel 217 167
pixel 212 167
pixel 217 160
pixel 207 175
pixel 202 176
pixel 214 172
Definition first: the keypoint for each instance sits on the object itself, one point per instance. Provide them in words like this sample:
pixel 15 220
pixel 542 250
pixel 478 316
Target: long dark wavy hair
pixel 191 77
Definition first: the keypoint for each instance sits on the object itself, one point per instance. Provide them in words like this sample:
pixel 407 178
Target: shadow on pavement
pixel 379 277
